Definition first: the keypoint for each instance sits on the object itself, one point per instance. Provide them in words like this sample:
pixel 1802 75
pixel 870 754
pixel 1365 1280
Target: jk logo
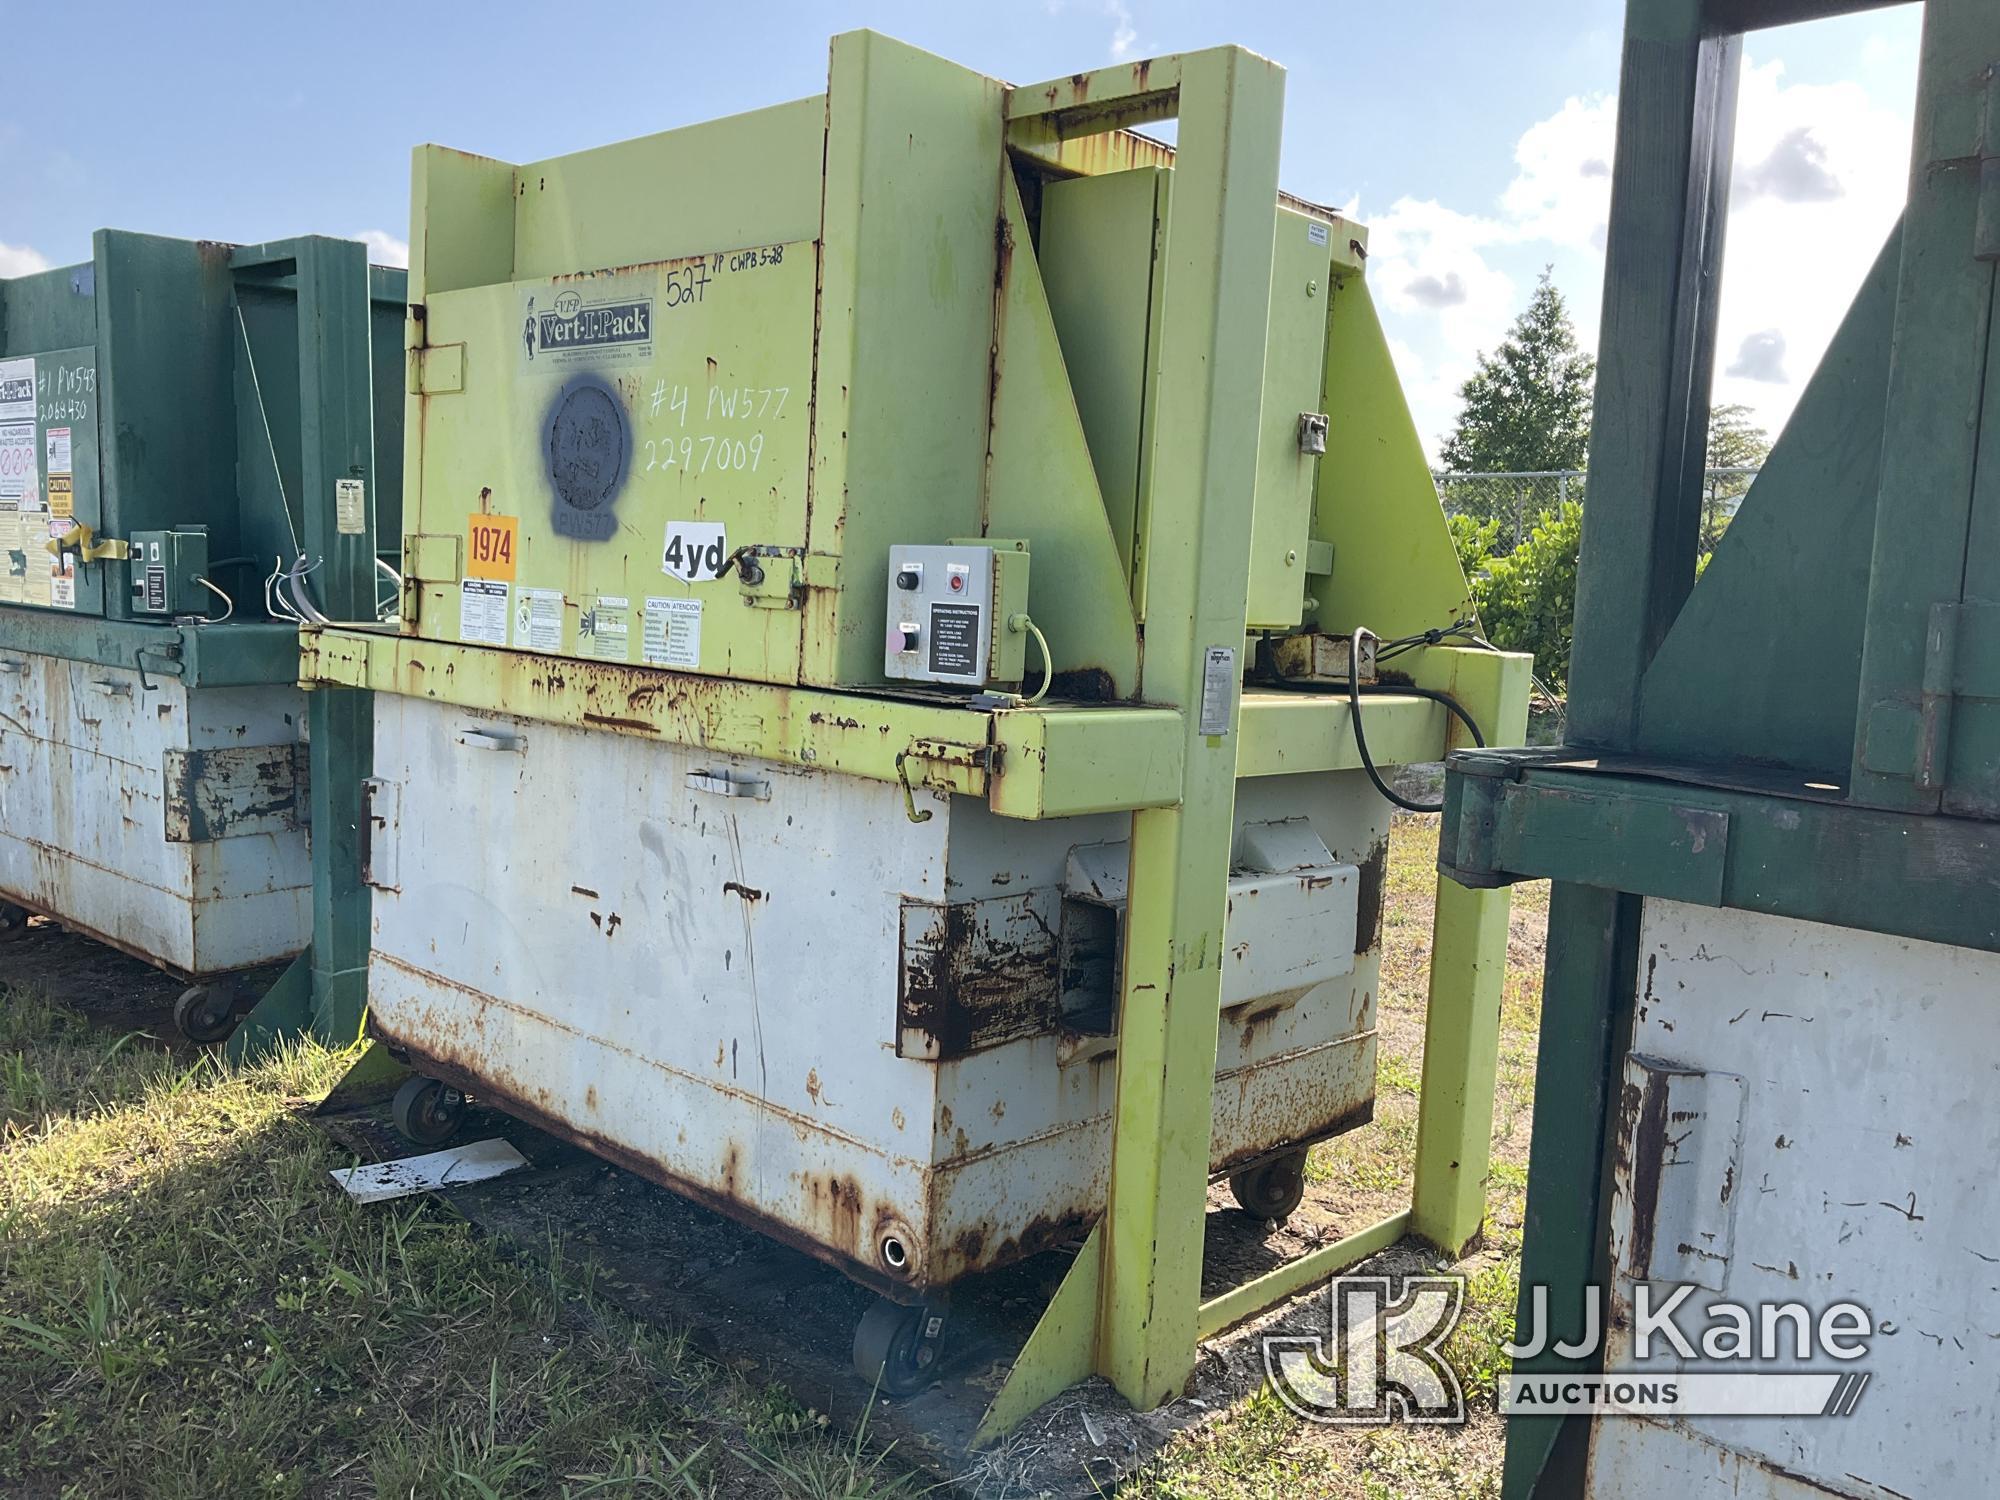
pixel 1382 1362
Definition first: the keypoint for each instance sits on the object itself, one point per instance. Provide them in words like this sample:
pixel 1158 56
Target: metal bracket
pixel 940 752
pixel 723 782
pixel 771 577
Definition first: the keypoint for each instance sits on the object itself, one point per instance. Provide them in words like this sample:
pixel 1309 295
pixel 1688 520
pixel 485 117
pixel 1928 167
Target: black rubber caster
pixel 206 1013
pixel 13 920
pixel 897 1348
pixel 1272 1189
pixel 427 1111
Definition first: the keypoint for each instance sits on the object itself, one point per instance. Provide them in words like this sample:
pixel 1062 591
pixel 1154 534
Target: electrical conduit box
pixel 167 569
pixel 949 611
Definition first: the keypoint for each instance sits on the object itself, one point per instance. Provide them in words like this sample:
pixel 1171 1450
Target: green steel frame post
pixel 1130 1307
pixel 1670 190
pixel 1467 975
pixel 1218 279
pixel 337 442
pixel 1130 1304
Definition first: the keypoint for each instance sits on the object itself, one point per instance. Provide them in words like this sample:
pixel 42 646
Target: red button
pixel 957 582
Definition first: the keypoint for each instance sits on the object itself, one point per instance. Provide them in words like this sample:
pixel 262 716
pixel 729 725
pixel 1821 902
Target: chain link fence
pixel 1517 500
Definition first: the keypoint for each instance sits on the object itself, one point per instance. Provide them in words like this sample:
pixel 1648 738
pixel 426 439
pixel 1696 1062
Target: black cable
pixel 1368 761
pixel 1354 692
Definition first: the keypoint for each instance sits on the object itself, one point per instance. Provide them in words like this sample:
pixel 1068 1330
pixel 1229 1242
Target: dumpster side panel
pixel 1828 1139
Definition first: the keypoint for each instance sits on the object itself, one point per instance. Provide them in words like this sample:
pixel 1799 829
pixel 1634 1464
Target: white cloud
pixel 384 249
pixel 1821 174
pixel 1761 356
pixel 1561 190
pixel 1124 36
pixel 19 260
pixel 1819 177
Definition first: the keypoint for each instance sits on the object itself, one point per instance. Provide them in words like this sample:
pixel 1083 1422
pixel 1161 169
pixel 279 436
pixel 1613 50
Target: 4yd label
pixel 695 550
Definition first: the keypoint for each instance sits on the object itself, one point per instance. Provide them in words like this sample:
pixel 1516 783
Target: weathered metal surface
pixel 714 990
pixel 233 790
pixel 1857 1173
pixel 1051 760
pixel 1316 656
pixel 977 973
pixel 1599 823
pixel 90 763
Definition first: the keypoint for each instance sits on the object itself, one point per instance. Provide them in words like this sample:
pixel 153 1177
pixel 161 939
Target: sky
pixel 1473 138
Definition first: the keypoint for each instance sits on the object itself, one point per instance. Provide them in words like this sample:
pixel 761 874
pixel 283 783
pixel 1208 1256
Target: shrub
pixel 1527 600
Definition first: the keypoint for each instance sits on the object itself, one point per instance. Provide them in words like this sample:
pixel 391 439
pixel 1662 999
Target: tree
pixel 1735 441
pixel 1527 406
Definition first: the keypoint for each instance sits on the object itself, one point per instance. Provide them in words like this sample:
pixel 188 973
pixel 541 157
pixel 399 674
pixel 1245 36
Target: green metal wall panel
pixel 1295 351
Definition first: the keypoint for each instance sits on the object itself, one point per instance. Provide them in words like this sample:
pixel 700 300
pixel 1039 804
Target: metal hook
pixel 910 808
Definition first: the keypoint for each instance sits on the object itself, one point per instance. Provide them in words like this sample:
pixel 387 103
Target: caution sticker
pixel 673 633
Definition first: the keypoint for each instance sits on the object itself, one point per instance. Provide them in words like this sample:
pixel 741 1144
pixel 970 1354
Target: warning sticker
pixel 482 611
pixel 17 460
pixel 17 390
pixel 62 495
pixel 490 547
pixel 1316 232
pixel 13 557
pixel 59 452
pixel 673 633
pixel 350 503
pixel 606 629
pixel 61 588
pixel 538 619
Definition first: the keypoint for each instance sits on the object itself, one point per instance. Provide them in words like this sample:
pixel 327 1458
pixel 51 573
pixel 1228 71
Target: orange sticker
pixel 491 547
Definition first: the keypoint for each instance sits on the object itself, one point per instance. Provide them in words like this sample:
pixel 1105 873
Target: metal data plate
pixel 616 438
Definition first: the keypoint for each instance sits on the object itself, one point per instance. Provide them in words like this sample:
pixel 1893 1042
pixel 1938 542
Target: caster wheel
pixel 13 920
pixel 206 1013
pixel 427 1111
pixel 896 1348
pixel 1271 1189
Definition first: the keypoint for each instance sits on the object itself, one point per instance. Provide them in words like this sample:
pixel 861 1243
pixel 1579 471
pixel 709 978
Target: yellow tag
pixel 491 547
pixel 62 498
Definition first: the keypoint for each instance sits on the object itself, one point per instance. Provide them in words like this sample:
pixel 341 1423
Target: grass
pixel 188 1308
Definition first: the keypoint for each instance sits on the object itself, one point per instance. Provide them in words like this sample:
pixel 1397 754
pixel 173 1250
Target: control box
pixel 949 613
pixel 166 569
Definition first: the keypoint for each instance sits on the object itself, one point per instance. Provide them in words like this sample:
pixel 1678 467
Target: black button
pixel 909 640
pixel 908 579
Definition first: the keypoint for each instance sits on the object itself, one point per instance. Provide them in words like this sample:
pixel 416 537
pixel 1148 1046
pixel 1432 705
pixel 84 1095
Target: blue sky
pixel 1469 134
